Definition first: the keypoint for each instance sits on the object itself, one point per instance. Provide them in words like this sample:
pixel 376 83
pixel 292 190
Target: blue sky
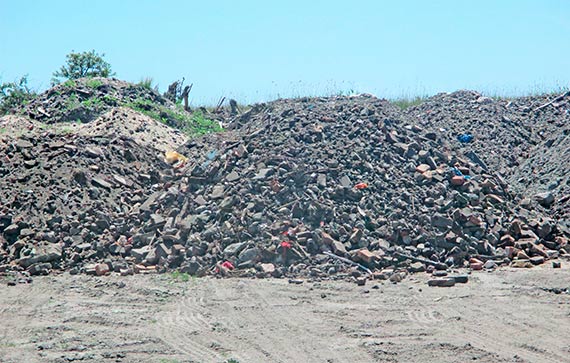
pixel 260 50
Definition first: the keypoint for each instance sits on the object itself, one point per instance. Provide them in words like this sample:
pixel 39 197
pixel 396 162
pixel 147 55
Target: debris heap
pixel 310 186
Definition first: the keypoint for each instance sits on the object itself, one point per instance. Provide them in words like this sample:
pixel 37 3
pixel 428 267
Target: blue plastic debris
pixel 465 138
pixel 459 173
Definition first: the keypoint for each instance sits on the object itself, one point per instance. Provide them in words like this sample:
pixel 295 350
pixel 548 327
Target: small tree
pixel 86 64
pixel 14 94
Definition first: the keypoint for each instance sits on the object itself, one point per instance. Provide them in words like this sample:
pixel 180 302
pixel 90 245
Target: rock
pixel 39 268
pixel 345 182
pixel 102 269
pixel 339 248
pixel 43 254
pixel 457 180
pixel 521 264
pixel 544 199
pixel 537 260
pixel 422 168
pixel 556 264
pixel 417 267
pixel 395 277
pixel 365 255
pixel 140 253
pixel 268 268
pixel 460 279
pixel 12 230
pixel 100 182
pixel 490 265
pixel 439 273
pixel 361 281
pixel 437 220
pixel 217 192
pixel 233 176
pixel 442 282
pixel 234 249
pixel 475 264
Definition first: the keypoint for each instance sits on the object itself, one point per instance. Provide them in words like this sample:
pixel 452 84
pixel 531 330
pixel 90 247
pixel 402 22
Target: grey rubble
pixel 288 171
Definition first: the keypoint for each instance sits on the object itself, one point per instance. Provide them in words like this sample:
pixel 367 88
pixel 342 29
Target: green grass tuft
pixel 148 83
pixel 182 276
pixel 94 83
pixel 406 102
pixel 70 83
pixel 193 124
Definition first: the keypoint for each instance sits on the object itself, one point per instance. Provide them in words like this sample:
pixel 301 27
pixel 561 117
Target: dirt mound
pixel 86 99
pixel 141 128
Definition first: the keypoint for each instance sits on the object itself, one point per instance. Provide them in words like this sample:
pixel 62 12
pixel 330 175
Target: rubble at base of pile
pixel 315 187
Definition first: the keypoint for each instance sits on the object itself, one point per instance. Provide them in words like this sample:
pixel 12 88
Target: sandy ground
pixel 504 316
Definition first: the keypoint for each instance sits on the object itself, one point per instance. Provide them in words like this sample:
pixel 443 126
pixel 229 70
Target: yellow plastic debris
pixel 174 158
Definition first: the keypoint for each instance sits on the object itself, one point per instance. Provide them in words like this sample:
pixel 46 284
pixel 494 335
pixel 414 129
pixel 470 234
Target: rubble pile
pixel 86 99
pixel 310 186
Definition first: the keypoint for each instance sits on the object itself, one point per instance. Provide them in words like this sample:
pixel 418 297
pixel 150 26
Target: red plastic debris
pixel 286 244
pixel 361 186
pixel 228 265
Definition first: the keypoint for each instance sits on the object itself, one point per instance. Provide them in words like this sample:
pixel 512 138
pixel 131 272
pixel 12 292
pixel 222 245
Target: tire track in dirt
pixel 183 327
pixel 504 320
pixel 282 315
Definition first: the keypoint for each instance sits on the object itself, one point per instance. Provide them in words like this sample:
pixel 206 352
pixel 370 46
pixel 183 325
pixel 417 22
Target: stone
pixel 217 192
pixel 422 168
pixel 322 180
pixel 339 248
pixel 475 264
pixel 439 273
pixel 457 180
pixel 233 176
pixel 12 230
pixel 345 182
pixel 40 268
pixel 100 182
pixel 361 281
pixel 234 249
pixel 417 267
pixel 267 268
pixel 365 255
pixel 537 260
pixel 44 253
pixel 442 282
pixel 521 264
pixel 437 220
pixel 140 253
pixel 460 279
pixel 102 269
pixel 556 264
pixel 544 199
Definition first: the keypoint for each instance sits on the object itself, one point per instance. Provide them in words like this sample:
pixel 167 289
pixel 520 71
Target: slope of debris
pixel 86 99
pixel 64 197
pixel 504 130
pixel 310 186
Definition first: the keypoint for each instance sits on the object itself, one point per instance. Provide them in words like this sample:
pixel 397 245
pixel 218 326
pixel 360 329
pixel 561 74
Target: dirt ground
pixel 503 316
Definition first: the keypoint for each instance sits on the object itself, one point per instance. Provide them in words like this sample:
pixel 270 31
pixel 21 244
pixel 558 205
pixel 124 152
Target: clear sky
pixel 259 50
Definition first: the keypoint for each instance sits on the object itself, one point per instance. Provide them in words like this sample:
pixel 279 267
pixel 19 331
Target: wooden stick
pixel 566 94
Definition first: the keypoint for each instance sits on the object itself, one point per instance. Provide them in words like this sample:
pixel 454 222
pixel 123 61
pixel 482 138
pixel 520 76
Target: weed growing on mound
pixel 193 124
pixel 404 103
pixel 94 83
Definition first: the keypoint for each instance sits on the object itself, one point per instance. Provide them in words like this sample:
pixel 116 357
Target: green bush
pixel 14 94
pixel 85 64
